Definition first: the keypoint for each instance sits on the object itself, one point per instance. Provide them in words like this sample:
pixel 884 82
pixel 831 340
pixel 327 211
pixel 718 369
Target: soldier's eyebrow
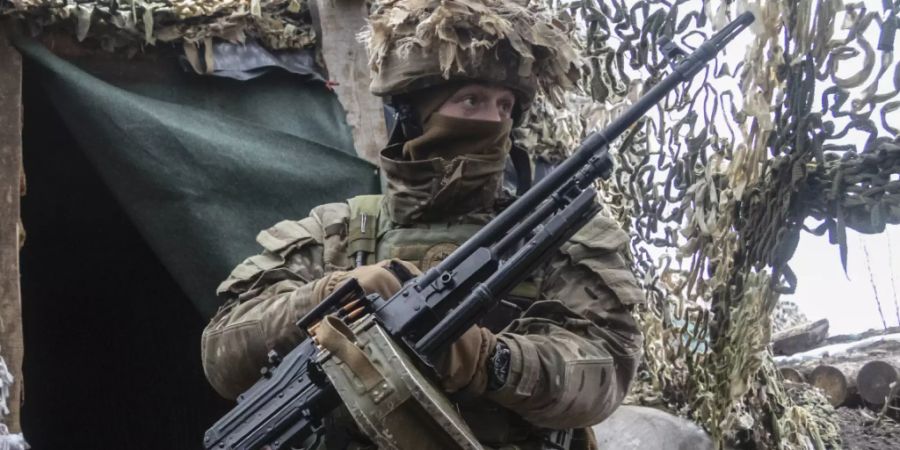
pixel 469 90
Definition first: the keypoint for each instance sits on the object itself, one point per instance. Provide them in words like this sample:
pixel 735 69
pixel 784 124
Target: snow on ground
pixel 834 349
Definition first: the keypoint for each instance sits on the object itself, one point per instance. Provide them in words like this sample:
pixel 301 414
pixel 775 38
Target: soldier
pixel 562 353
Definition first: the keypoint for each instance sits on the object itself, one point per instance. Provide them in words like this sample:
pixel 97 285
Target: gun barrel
pixel 697 60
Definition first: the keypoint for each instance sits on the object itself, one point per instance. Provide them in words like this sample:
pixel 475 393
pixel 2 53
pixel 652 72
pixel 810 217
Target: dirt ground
pixel 860 431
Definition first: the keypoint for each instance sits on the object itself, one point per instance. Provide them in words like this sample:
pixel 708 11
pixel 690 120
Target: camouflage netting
pixel 793 129
pixel 120 24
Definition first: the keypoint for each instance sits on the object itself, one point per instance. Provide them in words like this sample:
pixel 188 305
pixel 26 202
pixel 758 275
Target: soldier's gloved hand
pixel 464 366
pixel 374 278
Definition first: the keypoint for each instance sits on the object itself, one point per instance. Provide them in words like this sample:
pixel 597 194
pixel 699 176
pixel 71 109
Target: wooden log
pixel 800 338
pixel 875 379
pixel 838 382
pixel 347 63
pixel 791 374
pixel 884 348
pixel 842 338
pixel 11 345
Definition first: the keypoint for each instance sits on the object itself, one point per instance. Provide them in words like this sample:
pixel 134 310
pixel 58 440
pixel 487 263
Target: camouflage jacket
pixel 574 345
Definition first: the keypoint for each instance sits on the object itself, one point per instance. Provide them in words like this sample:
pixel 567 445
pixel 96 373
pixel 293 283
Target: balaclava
pixel 454 168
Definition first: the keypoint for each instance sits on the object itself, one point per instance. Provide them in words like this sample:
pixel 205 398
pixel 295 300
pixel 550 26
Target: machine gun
pixel 377 336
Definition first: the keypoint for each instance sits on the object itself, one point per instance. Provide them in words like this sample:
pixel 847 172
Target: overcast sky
pixel 849 303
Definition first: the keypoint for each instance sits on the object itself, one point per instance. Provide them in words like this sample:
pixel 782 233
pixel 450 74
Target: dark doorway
pixel 112 358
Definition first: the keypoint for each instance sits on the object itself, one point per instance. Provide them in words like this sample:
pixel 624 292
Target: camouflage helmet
pixel 417 44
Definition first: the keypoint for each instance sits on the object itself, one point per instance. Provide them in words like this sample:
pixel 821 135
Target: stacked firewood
pixel 860 370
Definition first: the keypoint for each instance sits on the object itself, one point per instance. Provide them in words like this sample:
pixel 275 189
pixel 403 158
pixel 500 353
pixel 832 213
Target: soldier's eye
pixel 470 101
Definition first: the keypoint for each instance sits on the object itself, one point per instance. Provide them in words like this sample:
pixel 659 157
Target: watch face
pixel 499 367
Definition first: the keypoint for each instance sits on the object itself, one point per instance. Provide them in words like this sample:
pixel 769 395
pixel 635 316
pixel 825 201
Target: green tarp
pixel 202 164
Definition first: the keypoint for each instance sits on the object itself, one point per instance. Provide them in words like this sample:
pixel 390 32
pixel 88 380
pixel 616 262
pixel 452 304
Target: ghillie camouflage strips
pixel 118 24
pixel 549 132
pixel 799 122
pixel 413 43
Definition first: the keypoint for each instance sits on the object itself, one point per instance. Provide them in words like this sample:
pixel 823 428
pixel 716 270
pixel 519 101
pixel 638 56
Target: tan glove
pixel 463 368
pixel 374 279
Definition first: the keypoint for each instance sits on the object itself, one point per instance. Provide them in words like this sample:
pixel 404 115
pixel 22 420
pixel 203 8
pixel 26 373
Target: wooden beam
pixel 347 63
pixel 800 338
pixel 11 345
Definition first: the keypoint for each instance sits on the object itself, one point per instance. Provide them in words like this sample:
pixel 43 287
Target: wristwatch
pixel 498 369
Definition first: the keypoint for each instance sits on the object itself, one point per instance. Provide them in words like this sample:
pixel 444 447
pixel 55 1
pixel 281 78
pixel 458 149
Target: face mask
pixel 450 137
pixel 455 167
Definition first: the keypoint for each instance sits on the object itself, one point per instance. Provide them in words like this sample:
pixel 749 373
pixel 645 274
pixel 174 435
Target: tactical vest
pixel 372 237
